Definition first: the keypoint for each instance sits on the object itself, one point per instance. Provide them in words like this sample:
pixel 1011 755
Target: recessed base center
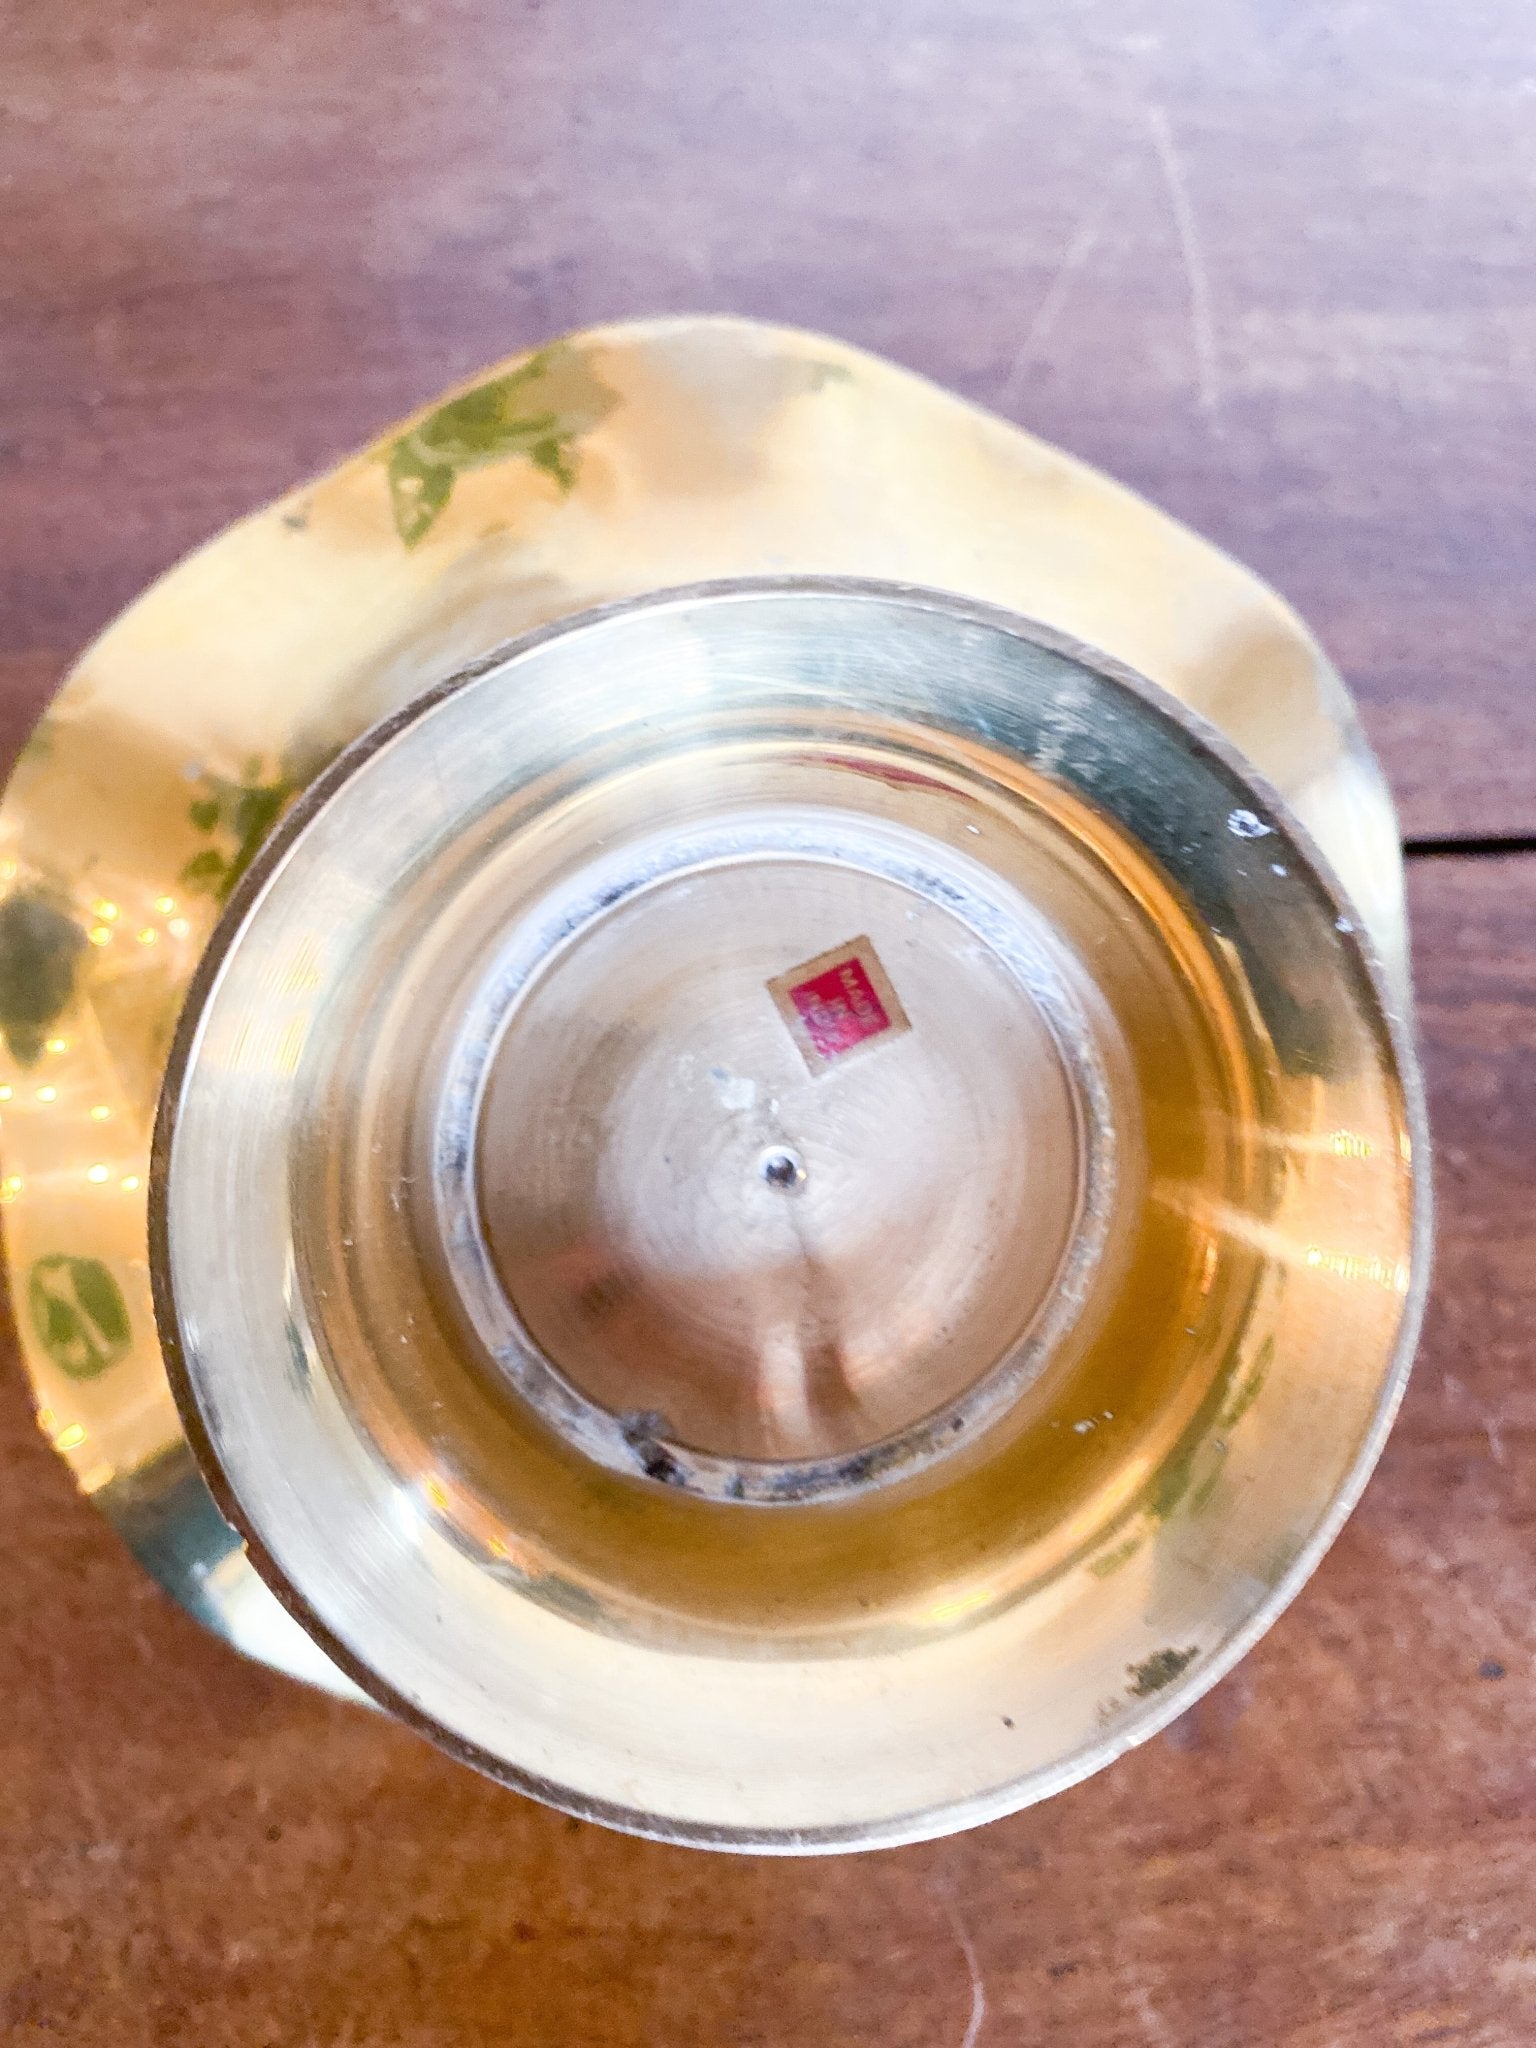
pixel 778 1235
pixel 783 1170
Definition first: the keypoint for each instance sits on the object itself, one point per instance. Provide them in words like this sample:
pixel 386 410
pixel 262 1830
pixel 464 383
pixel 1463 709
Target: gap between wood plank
pixel 1492 847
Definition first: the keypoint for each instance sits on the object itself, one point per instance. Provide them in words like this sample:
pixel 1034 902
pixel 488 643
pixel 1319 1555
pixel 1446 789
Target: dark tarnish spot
pixel 300 1371
pixel 641 1433
pixel 1160 1669
pixel 604 1296
pixel 1490 1668
pixel 563 1596
pixel 660 1465
pixel 39 950
pixel 877 1461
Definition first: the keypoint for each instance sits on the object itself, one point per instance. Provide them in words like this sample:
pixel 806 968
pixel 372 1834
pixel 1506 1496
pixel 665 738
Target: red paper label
pixel 838 1002
pixel 839 1008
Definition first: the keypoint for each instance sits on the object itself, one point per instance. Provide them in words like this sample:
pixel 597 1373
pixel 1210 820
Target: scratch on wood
pixel 90 1805
pixel 1078 251
pixel 978 2011
pixel 1197 278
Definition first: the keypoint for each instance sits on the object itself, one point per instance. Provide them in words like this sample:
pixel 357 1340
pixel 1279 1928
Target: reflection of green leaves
pixel 1174 1478
pixel 238 816
pixel 79 1314
pixel 1252 1387
pixel 204 873
pixel 39 950
pixel 537 411
pixel 418 491
pixel 1203 1494
pixel 1189 1476
pixel 38 746
pixel 1109 1563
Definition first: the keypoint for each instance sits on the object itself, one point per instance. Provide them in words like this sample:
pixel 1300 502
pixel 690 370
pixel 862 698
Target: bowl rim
pixel 1141 1721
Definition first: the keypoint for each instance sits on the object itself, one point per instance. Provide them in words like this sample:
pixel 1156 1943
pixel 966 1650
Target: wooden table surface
pixel 1271 261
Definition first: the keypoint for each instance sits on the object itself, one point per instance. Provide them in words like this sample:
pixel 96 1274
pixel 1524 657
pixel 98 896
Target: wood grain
pixel 1267 261
pixel 1333 1850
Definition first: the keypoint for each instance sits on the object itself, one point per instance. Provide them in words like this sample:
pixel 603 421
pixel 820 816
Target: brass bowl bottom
pixel 785 1214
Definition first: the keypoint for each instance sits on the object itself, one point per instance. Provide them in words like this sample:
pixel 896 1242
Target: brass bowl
pixel 786 1215
pixel 604 468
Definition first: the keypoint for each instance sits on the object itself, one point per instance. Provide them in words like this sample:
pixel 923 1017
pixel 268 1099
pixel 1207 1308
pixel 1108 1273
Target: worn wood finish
pixel 1333 1850
pixel 1268 261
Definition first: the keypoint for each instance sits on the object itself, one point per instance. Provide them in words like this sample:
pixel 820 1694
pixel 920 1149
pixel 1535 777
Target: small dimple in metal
pixel 782 1169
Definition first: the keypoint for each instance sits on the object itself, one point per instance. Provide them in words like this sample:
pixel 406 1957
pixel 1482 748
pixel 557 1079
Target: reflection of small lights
pixel 105 911
pixel 98 1477
pixel 99 1173
pixel 165 904
pixel 301 974
pixel 6 1092
pixel 100 934
pixel 148 936
pixel 99 1113
pixel 70 1439
pixel 178 927
pixel 289 1046
pixel 961 1604
pixel 7 871
pixel 405 1511
pixel 1351 1145
pixel 1359 1266
pixel 129 1183
pixel 47 1421
pixel 437 1493
pixel 58 1045
pixel 47 1094
pixel 11 1187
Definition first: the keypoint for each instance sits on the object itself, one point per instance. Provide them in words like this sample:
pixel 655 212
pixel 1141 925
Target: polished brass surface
pixel 610 464
pixel 1095 1288
pixel 801 1265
